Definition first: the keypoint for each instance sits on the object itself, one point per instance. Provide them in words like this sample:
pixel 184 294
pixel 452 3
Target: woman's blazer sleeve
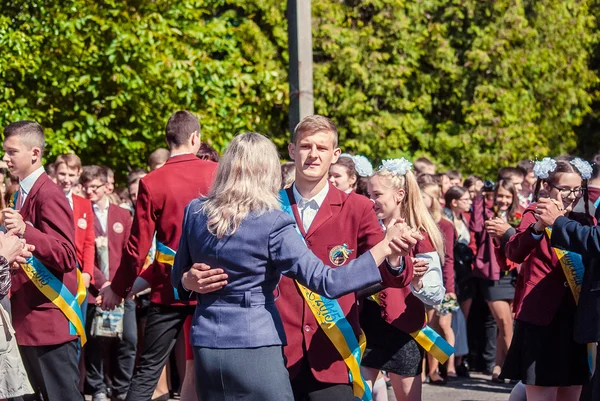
pixel 292 258
pixel 183 258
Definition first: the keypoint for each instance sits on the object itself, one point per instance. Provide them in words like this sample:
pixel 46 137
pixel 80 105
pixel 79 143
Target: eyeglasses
pixel 566 192
pixel 94 188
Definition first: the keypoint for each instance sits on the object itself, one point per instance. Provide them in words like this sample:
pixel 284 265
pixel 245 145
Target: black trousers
pixel 121 353
pixel 53 371
pixel 163 325
pixel 306 388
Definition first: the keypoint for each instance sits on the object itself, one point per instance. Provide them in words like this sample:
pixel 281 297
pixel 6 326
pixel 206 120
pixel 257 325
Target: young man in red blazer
pixel 67 169
pixel 49 347
pixel 163 195
pixel 112 225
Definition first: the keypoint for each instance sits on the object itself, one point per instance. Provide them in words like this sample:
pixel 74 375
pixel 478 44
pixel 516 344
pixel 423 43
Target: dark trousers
pixel 53 371
pixel 163 325
pixel 306 388
pixel 121 352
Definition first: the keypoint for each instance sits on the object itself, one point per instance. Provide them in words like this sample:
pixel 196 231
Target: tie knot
pixel 306 203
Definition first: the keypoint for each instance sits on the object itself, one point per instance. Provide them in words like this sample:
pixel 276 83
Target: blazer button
pixel 307 328
pixel 384 315
pixel 383 295
pixel 566 284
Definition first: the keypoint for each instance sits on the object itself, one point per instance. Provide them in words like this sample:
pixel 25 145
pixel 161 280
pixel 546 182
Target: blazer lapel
pixel 330 207
pixel 32 194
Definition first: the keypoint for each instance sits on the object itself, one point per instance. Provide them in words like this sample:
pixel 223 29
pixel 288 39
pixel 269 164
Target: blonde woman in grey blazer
pixel 237 334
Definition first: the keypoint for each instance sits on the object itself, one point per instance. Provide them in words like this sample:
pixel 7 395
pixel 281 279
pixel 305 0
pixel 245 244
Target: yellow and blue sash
pixel 166 255
pixel 333 322
pixel 429 339
pixel 55 290
pixel 572 265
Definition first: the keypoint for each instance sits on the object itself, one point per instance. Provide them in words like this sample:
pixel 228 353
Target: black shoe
pixel 437 382
pixel 462 371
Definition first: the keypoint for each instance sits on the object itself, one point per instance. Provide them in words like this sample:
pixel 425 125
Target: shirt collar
pixel 179 154
pixel 318 198
pixel 27 182
pixel 97 208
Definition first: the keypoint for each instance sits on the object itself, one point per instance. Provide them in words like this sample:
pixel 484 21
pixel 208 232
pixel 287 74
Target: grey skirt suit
pixel 237 333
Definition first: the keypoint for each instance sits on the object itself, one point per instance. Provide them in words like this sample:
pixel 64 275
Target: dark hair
pixel 349 165
pixel 596 166
pixel 288 174
pixel 362 186
pixel 135 176
pixel 313 124
pixel 526 165
pixel 180 126
pixel 30 132
pixel 454 193
pixel 563 166
pixel 514 206
pixel 207 152
pixel 421 163
pixel 423 179
pixel 507 173
pixel 453 174
pixel 471 180
pixel 90 173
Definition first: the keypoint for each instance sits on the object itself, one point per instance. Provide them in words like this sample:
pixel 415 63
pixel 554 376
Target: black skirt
pixel 499 290
pixel 388 348
pixel 548 356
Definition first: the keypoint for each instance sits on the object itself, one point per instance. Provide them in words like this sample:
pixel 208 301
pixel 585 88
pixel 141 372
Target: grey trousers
pixel 248 374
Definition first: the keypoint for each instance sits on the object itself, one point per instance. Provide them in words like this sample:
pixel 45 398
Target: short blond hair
pixel 313 124
pixel 248 180
pixel 70 159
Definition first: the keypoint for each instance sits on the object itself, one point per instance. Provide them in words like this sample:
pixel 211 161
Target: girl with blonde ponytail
pixel 400 311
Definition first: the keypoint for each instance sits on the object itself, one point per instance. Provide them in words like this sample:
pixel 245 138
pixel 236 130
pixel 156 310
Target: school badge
pixel 339 254
pixel 118 228
pixel 81 223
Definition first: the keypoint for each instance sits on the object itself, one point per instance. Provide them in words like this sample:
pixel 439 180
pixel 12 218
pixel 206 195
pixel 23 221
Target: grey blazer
pixel 243 313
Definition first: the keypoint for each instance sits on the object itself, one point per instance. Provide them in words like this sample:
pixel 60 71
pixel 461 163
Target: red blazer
pixel 342 219
pixel 399 307
pixel 593 193
pixel 541 284
pixel 162 198
pixel 49 226
pixel 83 215
pixel 118 230
pixel 449 235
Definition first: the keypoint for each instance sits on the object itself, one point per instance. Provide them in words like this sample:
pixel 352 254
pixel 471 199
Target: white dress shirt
pixel 102 215
pixel 69 196
pixel 308 208
pixel 27 183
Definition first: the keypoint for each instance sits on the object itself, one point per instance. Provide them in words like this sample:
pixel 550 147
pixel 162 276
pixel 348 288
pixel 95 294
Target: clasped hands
pixel 401 240
pixel 15 249
pixel 496 227
pixel 547 211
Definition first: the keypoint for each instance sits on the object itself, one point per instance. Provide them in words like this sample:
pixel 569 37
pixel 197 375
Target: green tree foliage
pixel 471 84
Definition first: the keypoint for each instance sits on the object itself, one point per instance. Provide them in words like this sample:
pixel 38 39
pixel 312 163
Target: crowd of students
pixel 190 279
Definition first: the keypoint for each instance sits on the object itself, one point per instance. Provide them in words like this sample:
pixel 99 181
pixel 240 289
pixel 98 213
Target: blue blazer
pixel 243 313
pixel 585 240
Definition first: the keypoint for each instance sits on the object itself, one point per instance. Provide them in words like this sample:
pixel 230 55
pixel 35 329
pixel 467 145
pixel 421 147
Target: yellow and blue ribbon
pixel 59 294
pixel 166 255
pixel 429 339
pixel 333 322
pixel 573 267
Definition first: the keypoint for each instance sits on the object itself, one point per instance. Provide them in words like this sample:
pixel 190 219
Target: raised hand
pixel 420 267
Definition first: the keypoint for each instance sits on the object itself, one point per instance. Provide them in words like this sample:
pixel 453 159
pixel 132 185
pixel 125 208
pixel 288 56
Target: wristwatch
pixel 533 230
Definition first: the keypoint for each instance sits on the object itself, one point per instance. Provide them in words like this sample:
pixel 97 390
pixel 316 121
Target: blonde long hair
pixel 248 180
pixel 412 207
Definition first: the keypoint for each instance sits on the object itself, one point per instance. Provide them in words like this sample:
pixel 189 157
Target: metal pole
pixel 300 51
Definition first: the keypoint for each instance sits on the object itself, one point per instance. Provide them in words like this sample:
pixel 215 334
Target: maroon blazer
pixel 49 226
pixel 541 284
pixel 118 230
pixel 83 216
pixel 490 258
pixel 399 306
pixel 593 193
pixel 162 198
pixel 449 235
pixel 342 219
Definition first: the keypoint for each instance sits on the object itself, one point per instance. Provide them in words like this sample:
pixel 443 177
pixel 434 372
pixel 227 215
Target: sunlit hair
pixel 434 192
pixel 288 174
pixel 248 180
pixel 311 125
pixel 412 208
pixel 350 167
